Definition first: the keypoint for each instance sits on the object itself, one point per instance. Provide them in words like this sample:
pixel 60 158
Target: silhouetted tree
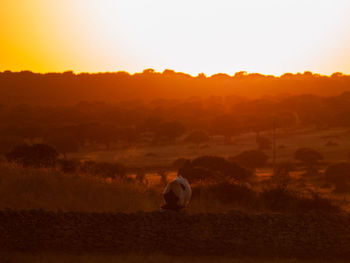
pixel 169 131
pixel 309 157
pixel 282 174
pixel 225 125
pixel 251 159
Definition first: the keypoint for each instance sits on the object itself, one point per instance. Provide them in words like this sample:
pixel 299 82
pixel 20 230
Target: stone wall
pixel 233 234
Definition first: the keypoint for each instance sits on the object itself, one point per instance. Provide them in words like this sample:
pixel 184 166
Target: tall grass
pixel 51 190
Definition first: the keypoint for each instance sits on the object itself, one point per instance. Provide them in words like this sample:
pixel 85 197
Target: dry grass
pixel 52 190
pixel 49 189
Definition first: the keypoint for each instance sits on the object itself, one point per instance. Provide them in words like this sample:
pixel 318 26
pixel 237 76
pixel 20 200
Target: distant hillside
pixel 68 88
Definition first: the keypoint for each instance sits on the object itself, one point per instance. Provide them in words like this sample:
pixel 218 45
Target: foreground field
pixel 8 257
pixel 52 190
pixel 235 234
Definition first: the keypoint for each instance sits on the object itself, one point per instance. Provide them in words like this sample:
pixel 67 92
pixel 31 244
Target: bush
pixel 308 157
pixel 339 175
pixel 283 200
pixel 179 162
pixel 36 155
pixel 214 163
pixel 278 199
pixel 68 166
pixel 214 168
pixel 317 203
pixel 282 174
pixel 251 159
pixel 228 193
pixel 239 174
pixel 198 174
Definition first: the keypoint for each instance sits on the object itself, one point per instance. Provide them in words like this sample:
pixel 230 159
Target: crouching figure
pixel 177 194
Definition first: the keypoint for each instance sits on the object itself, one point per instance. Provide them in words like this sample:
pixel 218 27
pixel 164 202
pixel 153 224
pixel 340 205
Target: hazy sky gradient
pixel 265 36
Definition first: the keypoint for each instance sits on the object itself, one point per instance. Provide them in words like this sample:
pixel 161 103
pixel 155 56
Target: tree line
pixel 192 120
pixel 69 88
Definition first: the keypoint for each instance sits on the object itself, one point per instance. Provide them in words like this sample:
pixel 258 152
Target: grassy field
pixel 50 189
pixel 288 141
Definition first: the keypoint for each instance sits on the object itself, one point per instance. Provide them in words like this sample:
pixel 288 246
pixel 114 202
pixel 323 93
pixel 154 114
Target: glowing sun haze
pixel 193 36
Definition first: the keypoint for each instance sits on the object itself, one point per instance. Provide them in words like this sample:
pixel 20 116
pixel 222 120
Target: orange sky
pixel 265 36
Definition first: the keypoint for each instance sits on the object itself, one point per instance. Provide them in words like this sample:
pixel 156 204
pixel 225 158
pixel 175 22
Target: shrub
pixel 339 175
pixel 251 159
pixel 214 168
pixel 317 203
pixel 179 162
pixel 281 199
pixel 214 163
pixel 36 155
pixel 227 193
pixel 239 174
pixel 68 166
pixel 308 157
pixel 278 199
pixel 199 174
pixel 282 174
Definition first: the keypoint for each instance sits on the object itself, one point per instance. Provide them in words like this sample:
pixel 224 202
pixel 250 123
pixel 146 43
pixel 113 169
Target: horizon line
pixel 153 71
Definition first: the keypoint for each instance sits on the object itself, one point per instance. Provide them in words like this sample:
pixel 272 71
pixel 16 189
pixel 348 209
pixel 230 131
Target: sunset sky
pixel 193 36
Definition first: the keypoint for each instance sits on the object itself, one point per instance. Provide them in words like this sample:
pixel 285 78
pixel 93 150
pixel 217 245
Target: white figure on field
pixel 177 194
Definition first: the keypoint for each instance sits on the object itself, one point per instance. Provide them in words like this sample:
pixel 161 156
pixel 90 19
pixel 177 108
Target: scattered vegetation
pixel 251 159
pixel 309 157
pixel 214 168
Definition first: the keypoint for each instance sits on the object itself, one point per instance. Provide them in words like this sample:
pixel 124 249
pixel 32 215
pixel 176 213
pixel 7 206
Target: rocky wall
pixel 233 234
